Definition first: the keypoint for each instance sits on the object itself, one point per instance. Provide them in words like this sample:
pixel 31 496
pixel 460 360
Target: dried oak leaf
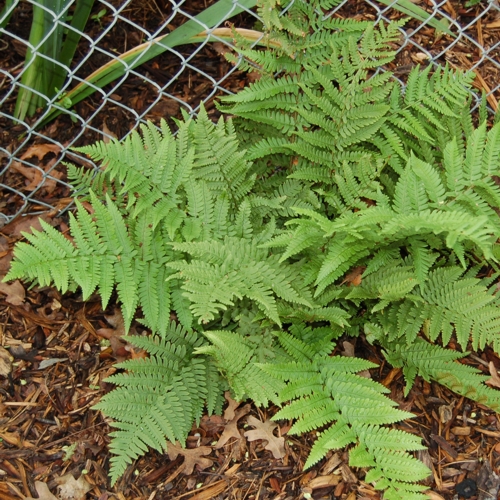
pixel 264 431
pixel 14 291
pixel 5 362
pixel 43 492
pixel 232 405
pixel 212 424
pixel 71 489
pixel 494 381
pixel 34 174
pixel 192 457
pixel 231 428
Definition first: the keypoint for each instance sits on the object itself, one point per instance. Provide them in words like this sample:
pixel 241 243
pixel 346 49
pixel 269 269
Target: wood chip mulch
pixel 56 351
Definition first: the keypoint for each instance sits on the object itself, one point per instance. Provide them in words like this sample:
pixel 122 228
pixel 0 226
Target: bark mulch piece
pixel 55 362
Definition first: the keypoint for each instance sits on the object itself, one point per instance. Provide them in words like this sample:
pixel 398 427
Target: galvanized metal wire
pixel 469 49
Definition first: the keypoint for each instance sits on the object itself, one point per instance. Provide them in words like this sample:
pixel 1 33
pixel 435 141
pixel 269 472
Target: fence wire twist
pixel 32 158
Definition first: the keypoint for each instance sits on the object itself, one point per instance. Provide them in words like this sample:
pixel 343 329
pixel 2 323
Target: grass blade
pixel 27 100
pixel 412 10
pixel 7 12
pixel 78 22
pixel 42 54
pixel 186 33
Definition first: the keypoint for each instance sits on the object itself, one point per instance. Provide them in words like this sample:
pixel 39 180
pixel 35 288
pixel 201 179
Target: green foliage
pixel 54 36
pixel 332 203
pixel 158 398
pixel 325 390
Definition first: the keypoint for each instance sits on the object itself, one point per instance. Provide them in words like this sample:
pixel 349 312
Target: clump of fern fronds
pixel 334 202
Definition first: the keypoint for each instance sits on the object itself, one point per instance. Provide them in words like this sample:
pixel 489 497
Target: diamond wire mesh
pixel 182 78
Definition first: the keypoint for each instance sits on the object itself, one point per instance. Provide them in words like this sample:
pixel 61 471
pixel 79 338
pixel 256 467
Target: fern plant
pixel 247 231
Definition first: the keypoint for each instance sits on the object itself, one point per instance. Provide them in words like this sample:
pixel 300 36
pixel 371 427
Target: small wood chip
pixel 324 481
pixel 487 432
pixel 461 431
pixel 5 362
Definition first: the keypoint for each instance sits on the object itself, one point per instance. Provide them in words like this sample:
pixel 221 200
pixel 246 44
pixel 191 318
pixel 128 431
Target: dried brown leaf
pixel 264 431
pixel 232 405
pixel 25 224
pixel 43 492
pixel 14 291
pixel 120 349
pixel 5 254
pixel 348 349
pixel 231 428
pixel 446 412
pixel 494 381
pixel 40 151
pixel 349 352
pixel 355 277
pixel 71 489
pixel 212 424
pixel 35 174
pixel 192 457
pixel 5 362
pixel 108 135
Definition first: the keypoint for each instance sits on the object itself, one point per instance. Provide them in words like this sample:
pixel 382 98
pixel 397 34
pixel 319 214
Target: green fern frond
pixel 236 268
pixel 244 374
pixel 432 362
pixel 159 397
pixel 325 390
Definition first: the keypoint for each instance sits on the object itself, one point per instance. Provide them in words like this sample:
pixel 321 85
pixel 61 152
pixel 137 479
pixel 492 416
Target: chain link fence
pixel 32 171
